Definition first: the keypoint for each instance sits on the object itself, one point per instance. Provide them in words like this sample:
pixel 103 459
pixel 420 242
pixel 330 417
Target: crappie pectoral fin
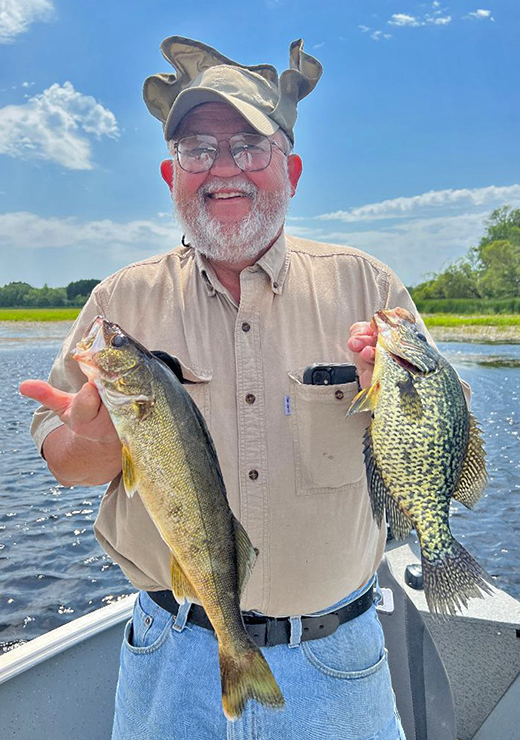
pixel 181 586
pixel 129 476
pixel 376 487
pixel 399 523
pixel 244 676
pixel 365 400
pixel 411 404
pixel 246 555
pixel 473 477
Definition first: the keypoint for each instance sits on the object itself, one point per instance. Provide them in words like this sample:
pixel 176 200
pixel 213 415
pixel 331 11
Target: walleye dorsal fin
pixel 376 488
pixel 473 477
pixel 181 586
pixel 246 555
pixel 365 400
pixel 129 476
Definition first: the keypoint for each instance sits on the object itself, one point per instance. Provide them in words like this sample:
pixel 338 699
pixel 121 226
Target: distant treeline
pixel 23 295
pixel 486 280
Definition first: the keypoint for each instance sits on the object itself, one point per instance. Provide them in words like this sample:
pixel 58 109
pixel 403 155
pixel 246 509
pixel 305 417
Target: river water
pixel 53 570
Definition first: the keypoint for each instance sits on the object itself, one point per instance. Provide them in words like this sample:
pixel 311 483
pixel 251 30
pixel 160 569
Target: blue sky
pixel 409 141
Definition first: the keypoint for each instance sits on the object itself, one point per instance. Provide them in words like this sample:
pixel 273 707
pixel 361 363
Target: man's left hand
pixel 362 342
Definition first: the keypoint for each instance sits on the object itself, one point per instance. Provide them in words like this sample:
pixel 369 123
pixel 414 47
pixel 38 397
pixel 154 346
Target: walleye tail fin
pixel 451 580
pixel 247 676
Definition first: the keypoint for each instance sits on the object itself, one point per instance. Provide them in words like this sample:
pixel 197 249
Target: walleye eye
pixel 118 341
pixel 421 336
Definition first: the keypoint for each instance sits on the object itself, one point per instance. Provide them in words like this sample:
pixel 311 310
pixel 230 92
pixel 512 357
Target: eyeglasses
pixel 250 152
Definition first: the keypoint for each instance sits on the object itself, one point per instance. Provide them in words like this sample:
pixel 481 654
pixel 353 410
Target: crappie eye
pixel 421 336
pixel 118 340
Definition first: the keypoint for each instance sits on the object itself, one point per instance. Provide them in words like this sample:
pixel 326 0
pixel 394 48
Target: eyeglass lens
pixel 197 153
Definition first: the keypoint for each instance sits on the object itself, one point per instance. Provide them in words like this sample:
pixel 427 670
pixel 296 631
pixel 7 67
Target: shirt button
pixel 253 474
pixel 339 395
pixel 250 398
pixel 245 326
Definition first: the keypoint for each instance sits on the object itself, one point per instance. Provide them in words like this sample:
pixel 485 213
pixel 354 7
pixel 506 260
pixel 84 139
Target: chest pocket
pixel 328 447
pixel 197 386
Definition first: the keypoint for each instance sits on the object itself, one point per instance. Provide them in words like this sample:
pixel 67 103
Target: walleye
pixel 169 459
pixel 422 449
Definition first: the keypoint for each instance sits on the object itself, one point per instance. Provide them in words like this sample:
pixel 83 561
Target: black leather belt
pixel 268 631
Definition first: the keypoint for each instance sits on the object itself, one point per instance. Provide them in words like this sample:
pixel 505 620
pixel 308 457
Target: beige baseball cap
pixel 204 75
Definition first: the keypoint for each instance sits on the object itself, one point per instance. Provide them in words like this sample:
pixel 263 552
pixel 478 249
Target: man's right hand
pixel 82 412
pixel 86 450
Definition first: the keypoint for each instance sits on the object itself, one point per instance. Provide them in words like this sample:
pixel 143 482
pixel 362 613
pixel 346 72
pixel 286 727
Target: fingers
pixel 86 406
pixel 54 399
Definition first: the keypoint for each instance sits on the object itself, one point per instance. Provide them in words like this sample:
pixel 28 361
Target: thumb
pixel 54 399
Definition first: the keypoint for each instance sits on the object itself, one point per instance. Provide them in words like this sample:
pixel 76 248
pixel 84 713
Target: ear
pixel 295 167
pixel 167 172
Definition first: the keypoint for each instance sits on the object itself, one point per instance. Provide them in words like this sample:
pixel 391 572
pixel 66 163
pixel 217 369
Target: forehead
pixel 213 118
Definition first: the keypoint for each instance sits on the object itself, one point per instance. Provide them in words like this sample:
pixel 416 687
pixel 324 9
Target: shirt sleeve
pixel 65 373
pixel 399 296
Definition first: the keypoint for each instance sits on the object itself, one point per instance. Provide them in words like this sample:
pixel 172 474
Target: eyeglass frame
pixel 217 151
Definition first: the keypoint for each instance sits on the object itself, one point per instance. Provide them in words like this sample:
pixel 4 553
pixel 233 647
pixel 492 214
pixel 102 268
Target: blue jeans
pixel 335 688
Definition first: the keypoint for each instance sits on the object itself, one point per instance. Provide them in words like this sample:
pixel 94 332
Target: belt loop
pixel 296 632
pixel 182 616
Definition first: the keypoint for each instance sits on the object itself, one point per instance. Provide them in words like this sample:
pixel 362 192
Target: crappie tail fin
pixel 247 676
pixel 451 580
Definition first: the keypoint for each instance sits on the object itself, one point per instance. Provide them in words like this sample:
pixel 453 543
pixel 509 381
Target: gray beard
pixel 233 243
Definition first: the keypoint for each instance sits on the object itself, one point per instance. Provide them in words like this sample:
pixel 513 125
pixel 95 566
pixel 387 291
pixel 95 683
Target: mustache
pixel 228 183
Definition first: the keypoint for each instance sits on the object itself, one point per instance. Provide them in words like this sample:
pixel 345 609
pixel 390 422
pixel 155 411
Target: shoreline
pixel 479 334
pixel 14 331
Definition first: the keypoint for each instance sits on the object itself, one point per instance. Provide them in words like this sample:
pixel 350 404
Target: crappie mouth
pixel 399 337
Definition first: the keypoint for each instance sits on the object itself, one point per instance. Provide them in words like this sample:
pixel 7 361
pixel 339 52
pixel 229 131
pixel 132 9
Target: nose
pixel 224 165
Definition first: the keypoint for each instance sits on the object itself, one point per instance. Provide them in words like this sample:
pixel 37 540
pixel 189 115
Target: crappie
pixel 422 449
pixel 170 460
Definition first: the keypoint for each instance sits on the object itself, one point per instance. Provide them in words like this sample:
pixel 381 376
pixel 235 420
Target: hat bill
pixel 189 99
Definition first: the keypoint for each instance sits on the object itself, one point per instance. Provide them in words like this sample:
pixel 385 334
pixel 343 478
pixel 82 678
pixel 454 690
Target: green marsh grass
pixel 39 314
pixel 440 319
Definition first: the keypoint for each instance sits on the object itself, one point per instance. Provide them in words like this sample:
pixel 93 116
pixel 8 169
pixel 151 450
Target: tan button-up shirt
pixel 292 463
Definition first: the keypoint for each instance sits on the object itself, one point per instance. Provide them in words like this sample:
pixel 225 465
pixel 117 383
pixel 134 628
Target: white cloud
pixel 409 207
pixel 401 19
pixel 439 20
pixel 17 15
pixel 480 15
pixel 414 248
pixel 25 230
pixel 54 126
pixel 319 46
pixel 378 35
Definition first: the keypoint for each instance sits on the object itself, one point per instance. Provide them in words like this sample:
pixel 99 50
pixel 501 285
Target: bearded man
pixel 246 309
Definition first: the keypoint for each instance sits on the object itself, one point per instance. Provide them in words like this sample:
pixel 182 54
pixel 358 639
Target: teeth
pixel 226 195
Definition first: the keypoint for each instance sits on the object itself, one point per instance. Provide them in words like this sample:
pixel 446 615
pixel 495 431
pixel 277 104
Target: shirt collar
pixel 275 263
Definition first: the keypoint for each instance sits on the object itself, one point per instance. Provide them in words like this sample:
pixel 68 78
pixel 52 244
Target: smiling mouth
pixel 226 196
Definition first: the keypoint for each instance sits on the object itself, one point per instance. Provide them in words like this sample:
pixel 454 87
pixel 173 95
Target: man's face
pixel 228 214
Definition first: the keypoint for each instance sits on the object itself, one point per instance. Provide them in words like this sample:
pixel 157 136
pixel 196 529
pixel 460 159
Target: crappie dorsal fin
pixel 473 477
pixel 365 400
pixel 129 475
pixel 246 555
pixel 182 588
pixel 376 487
